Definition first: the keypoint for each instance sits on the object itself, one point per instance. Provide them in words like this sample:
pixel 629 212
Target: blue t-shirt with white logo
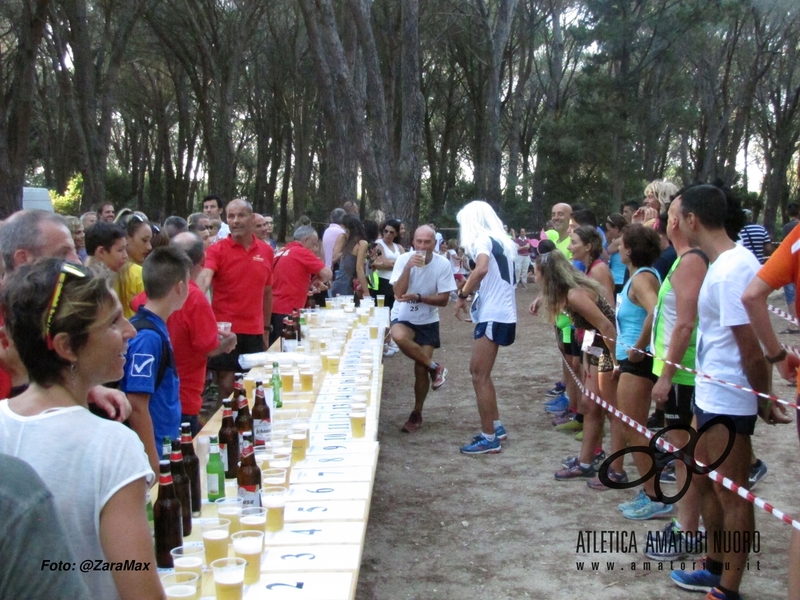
pixel 141 371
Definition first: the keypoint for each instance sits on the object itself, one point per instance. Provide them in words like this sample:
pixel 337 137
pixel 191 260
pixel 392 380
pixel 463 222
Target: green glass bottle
pixel 166 447
pixel 215 472
pixel 277 392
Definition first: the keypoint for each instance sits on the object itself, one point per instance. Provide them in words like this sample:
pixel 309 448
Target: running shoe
pixel 556 391
pixel 572 425
pixel 718 594
pixel 438 376
pixel 576 472
pixel 656 420
pixel 647 510
pixel 674 545
pixel 599 486
pixel 414 422
pixel 668 474
pixel 554 401
pixel 579 436
pixel 758 471
pixel 702 580
pixel 482 446
pixel 499 432
pixel 571 461
pixel 558 407
pixel 564 417
pixel 637 500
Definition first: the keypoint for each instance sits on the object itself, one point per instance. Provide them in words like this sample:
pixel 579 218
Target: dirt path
pixel 445 525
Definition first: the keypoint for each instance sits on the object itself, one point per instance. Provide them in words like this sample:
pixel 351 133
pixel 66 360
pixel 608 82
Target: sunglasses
pixel 156 229
pixel 66 269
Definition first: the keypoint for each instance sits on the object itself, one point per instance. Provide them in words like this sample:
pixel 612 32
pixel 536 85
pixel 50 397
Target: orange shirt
pixel 783 267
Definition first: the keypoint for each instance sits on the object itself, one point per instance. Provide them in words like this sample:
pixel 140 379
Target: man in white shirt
pixel 212 208
pixel 422 282
pixel 728 350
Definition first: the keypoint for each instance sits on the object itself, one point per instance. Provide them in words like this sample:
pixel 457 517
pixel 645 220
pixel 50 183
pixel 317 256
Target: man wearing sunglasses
pixel 26 236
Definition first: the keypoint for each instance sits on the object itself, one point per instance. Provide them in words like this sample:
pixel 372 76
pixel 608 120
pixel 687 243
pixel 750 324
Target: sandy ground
pixel 446 525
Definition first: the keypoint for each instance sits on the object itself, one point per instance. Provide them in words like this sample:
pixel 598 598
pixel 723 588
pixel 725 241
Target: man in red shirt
pixel 193 333
pixel 239 270
pixel 296 268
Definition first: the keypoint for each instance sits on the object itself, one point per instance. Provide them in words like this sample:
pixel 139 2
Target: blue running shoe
pixel 637 500
pixel 556 400
pixel 558 407
pixel 695 581
pixel 499 432
pixel 482 446
pixel 556 391
pixel 647 510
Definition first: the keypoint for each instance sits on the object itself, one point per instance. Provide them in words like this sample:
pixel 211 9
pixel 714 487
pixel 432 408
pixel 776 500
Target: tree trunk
pixel 16 108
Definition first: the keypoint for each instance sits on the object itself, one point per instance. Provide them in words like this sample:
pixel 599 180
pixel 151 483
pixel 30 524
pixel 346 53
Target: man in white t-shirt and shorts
pixel 728 350
pixel 422 283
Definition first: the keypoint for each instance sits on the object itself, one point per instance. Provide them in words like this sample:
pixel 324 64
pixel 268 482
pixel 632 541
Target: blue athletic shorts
pixel 743 424
pixel 501 334
pixel 424 335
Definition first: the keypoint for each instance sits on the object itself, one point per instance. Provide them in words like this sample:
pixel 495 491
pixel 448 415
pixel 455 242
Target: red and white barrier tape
pixel 786 316
pixel 724 481
pixel 704 375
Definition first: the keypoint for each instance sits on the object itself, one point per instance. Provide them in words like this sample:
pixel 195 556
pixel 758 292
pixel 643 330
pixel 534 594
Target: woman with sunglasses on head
pixel 68 328
pixel 75 226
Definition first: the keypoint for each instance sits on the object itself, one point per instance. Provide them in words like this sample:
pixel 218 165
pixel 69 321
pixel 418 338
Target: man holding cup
pixel 422 283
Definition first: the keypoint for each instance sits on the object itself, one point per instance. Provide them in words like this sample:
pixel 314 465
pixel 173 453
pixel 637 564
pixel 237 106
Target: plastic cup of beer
pixel 333 363
pixel 188 559
pixel 254 519
pixel 373 331
pixel 249 545
pixel 324 358
pixel 282 459
pixel 298 445
pixel 306 380
pixel 287 379
pixel 231 509
pixel 181 585
pixel 229 577
pixel 262 454
pixel 273 498
pixel 274 476
pixel 202 447
pixel 363 317
pixel 328 303
pixel 249 388
pixel 358 422
pixel 223 326
pixel 216 535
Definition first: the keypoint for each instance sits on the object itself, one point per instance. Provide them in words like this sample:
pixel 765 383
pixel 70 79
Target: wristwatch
pixel 777 358
pixel 419 298
pixel 462 295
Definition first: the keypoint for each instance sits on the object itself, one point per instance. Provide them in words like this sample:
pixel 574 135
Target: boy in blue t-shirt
pixel 150 380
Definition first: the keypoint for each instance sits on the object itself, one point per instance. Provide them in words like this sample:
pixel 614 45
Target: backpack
pixel 167 357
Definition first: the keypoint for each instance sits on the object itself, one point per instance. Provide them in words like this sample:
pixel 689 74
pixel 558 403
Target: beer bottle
pixel 183 487
pixel 262 425
pixel 166 447
pixel 229 441
pixel 277 392
pixel 244 421
pixel 191 462
pixel 249 476
pixel 215 472
pixel 286 336
pixel 168 521
pixel 238 386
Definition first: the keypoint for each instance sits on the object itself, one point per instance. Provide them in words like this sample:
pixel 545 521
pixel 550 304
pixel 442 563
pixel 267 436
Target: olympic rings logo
pixel 662 458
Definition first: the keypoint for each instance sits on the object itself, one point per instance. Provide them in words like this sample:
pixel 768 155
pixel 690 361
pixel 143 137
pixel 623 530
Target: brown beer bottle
pixel 249 476
pixel 229 441
pixel 191 462
pixel 244 421
pixel 289 337
pixel 183 487
pixel 262 424
pixel 238 386
pixel 167 518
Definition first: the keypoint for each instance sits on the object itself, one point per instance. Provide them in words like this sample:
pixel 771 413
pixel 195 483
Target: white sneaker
pixel 389 351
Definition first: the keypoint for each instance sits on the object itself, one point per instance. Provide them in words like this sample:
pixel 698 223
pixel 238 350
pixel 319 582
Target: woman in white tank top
pixel 388 252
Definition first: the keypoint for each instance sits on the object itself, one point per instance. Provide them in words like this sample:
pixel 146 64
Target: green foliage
pixel 69 203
